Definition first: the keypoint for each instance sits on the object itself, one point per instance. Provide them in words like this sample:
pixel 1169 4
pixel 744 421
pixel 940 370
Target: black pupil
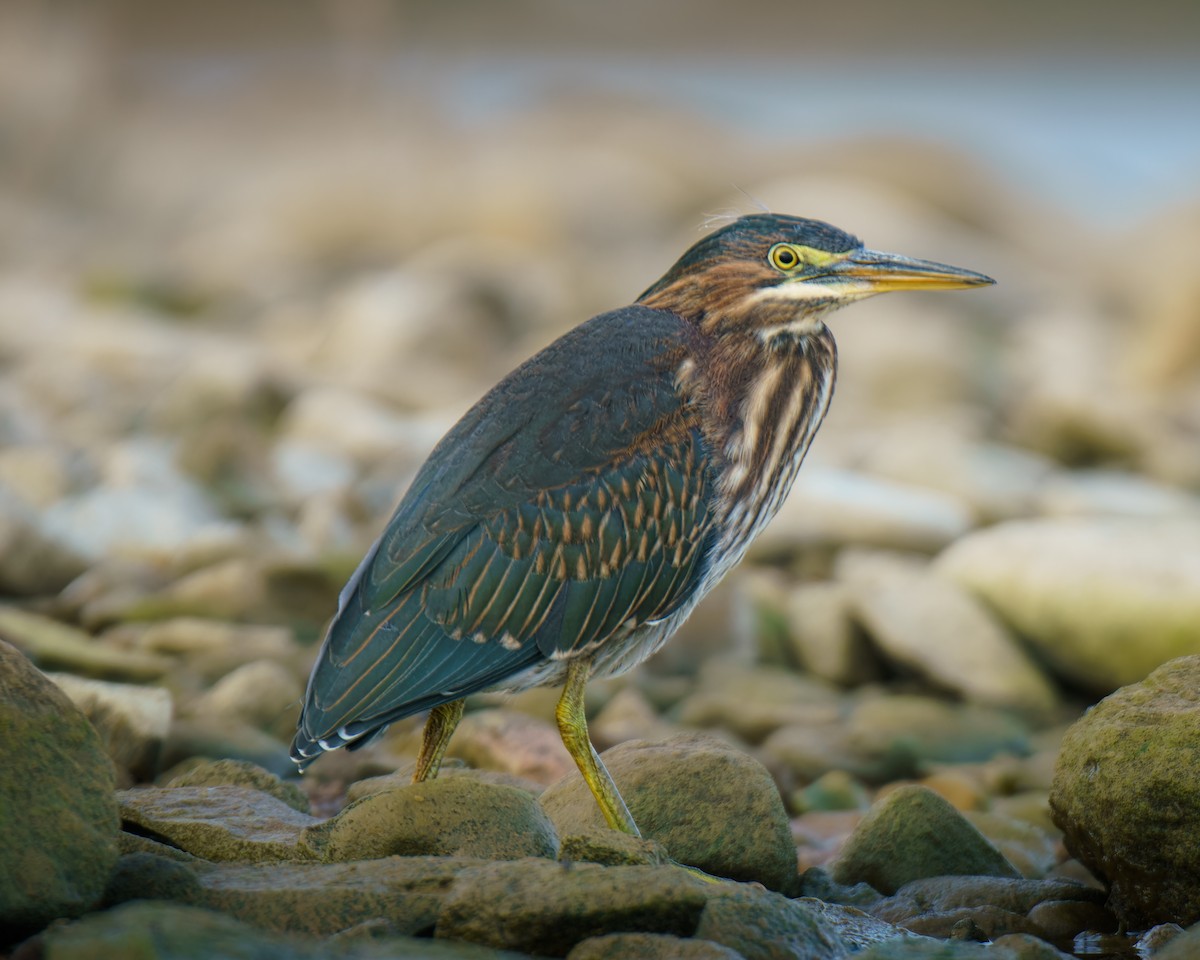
pixel 785 257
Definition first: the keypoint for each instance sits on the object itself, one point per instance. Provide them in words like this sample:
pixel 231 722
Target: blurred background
pixel 256 257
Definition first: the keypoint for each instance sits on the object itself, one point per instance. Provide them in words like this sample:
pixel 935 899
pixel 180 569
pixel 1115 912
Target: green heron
pixel 567 525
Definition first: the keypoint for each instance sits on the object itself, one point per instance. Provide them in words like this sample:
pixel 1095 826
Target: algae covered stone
pixel 58 816
pixel 709 805
pixel 456 816
pixel 1127 798
pixel 913 833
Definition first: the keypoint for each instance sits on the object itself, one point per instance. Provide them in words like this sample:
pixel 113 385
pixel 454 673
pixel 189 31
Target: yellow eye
pixel 783 257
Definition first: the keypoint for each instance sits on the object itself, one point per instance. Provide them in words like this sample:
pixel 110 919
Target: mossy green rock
pixel 913 833
pixel 218 822
pixel 761 925
pixel 457 816
pixel 1127 798
pixel 545 908
pixel 58 817
pixel 323 898
pixel 709 805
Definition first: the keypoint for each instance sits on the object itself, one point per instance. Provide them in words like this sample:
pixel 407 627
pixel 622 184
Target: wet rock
pixel 934 628
pixel 841 507
pixel 944 894
pixel 927 949
pixel 1104 602
pixel 33 559
pixel 1127 800
pixel 456 817
pixel 544 907
pixel 752 702
pixel 511 742
pixel 1154 942
pixel 147 876
pixel 649 946
pixel 682 793
pixel 218 823
pixel 320 899
pixel 57 813
pixel 822 638
pixel 972 923
pixel 54 645
pixel 761 925
pixel 241 773
pixel 132 721
pixel 913 833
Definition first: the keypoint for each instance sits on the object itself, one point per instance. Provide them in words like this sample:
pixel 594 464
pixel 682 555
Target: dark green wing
pixel 572 499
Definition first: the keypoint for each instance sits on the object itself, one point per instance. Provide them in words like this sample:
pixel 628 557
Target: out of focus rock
pixel 57 812
pixel 132 720
pixel 628 716
pixel 219 822
pixel 681 792
pixel 37 473
pixel 511 742
pixel 455 817
pixel 1031 849
pixel 996 481
pixel 1103 601
pixel 52 644
pixel 910 834
pixel 754 701
pixel 909 731
pixel 839 507
pixel 34 558
pixel 1126 799
pixel 225 739
pixel 263 693
pixel 931 626
pixel 1112 493
pixel 823 639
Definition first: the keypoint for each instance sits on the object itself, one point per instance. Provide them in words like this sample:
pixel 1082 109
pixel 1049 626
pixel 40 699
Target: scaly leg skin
pixel 443 719
pixel 572 725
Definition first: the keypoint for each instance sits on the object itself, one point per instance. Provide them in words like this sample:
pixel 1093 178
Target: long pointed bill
pixel 881 272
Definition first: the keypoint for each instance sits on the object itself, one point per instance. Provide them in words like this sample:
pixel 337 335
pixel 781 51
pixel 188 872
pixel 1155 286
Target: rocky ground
pixel 872 731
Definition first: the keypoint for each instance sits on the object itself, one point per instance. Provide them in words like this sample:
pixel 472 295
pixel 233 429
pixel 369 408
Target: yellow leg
pixel 572 725
pixel 436 737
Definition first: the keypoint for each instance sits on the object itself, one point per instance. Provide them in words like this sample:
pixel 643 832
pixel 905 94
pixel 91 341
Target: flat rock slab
pixel 218 822
pixel 170 931
pixel 324 898
pixel 544 907
pixel 458 816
